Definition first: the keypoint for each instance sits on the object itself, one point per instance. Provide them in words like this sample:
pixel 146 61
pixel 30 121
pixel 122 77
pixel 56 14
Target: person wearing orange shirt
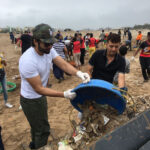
pixel 92 46
pixel 139 39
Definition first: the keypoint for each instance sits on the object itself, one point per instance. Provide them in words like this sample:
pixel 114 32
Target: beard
pixel 44 50
pixel 111 54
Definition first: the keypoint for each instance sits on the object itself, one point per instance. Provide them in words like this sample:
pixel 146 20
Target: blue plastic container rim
pixel 103 93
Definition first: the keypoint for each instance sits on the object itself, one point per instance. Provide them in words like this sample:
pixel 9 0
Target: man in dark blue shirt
pixel 129 39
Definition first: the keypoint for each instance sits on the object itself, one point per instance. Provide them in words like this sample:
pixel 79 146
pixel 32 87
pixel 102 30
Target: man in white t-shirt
pixel 34 67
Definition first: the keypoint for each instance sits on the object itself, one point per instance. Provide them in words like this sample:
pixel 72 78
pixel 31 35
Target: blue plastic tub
pixel 100 91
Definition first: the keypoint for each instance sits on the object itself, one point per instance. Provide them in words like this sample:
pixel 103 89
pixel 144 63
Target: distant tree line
pixel 145 26
pixel 7 30
pixel 4 30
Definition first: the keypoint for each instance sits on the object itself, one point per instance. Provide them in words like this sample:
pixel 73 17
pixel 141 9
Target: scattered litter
pixel 63 146
pixel 16 77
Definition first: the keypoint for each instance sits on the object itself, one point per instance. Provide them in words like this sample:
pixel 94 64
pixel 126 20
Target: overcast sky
pixel 75 14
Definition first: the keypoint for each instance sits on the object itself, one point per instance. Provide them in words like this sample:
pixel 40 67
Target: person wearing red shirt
pixel 92 46
pixel 76 50
pixel 144 58
pixel 82 49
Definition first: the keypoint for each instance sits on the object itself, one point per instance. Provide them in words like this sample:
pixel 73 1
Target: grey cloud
pixel 74 14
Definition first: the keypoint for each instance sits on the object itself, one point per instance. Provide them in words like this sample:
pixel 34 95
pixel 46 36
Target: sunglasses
pixel 47 44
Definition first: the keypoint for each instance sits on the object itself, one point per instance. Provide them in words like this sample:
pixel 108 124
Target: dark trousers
pixel 129 44
pixel 58 73
pixel 82 55
pixel 145 67
pixel 1 142
pixel 35 111
pixel 138 43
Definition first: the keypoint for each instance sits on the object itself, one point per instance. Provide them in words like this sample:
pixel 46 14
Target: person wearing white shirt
pixel 34 68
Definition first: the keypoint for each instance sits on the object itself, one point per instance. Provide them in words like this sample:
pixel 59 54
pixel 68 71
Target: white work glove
pixel 132 58
pixel 69 95
pixel 84 76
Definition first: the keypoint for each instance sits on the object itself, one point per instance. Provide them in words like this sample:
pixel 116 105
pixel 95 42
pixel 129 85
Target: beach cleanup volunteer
pixel 105 63
pixel 3 81
pixel 34 68
pixel 92 46
pixel 144 58
pixel 139 39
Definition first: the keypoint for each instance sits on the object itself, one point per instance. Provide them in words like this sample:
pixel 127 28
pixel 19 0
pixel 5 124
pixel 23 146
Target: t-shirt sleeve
pixel 28 69
pixel 122 66
pixel 53 53
pixel 142 46
pixel 93 59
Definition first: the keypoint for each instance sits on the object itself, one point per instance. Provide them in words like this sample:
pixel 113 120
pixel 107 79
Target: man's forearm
pixel 136 52
pixel 121 80
pixel 90 69
pixel 121 84
pixel 66 67
pixel 69 69
pixel 49 92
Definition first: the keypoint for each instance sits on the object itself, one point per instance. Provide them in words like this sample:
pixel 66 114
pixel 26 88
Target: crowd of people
pixel 43 52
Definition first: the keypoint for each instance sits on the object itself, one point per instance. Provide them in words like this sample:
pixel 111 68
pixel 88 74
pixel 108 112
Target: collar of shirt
pixel 105 55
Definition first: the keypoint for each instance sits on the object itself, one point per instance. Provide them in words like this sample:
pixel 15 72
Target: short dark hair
pixel 148 33
pixel 91 35
pixel 114 38
pixel 123 50
pixel 76 34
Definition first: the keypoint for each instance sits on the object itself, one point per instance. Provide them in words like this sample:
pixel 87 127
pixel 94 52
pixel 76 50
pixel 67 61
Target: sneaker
pixel 8 105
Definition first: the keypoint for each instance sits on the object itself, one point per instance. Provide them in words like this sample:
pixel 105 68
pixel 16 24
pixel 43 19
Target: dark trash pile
pixel 98 120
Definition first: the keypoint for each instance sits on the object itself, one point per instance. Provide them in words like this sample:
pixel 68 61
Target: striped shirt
pixel 59 47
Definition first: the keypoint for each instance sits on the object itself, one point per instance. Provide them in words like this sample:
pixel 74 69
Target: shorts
pixel 77 59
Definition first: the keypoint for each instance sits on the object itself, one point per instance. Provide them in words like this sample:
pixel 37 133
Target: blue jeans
pixel 4 88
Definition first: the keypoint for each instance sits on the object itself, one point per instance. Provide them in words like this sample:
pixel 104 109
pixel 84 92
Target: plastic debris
pixel 63 146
